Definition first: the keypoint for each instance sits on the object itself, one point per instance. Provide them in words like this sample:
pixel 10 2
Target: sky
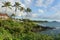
pixel 41 9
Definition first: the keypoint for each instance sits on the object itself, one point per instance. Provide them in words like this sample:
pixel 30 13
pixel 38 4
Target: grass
pixel 13 30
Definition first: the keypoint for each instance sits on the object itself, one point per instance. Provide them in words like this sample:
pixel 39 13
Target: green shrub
pixel 13 30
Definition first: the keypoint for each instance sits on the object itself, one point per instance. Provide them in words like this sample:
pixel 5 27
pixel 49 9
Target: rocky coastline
pixel 40 28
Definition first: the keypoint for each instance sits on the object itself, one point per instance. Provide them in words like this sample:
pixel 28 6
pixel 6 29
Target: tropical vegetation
pixel 16 30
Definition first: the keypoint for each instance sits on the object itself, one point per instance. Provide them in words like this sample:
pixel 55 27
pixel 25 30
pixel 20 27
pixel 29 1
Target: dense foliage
pixel 14 30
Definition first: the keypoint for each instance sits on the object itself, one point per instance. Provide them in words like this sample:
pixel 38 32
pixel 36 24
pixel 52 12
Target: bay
pixel 51 24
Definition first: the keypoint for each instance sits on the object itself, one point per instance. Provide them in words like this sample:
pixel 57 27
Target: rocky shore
pixel 39 28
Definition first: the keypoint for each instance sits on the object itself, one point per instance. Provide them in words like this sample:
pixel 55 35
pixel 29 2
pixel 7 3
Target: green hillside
pixel 14 30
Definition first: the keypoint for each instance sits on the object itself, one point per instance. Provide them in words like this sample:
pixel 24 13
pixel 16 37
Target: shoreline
pixel 40 28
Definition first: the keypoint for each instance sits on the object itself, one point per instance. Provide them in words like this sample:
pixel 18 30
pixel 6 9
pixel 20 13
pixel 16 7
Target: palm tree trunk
pixel 6 10
pixel 27 15
pixel 15 12
pixel 21 17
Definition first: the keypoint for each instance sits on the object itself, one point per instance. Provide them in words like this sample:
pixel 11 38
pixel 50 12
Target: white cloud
pixel 41 11
pixel 39 2
pixel 44 3
pixel 56 15
pixel 28 2
pixel 48 2
pixel 56 9
pixel 34 15
pixel 21 14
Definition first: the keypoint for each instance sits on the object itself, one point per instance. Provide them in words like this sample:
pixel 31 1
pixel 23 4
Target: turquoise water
pixel 51 24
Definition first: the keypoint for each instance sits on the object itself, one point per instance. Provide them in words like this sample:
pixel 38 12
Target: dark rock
pixel 39 28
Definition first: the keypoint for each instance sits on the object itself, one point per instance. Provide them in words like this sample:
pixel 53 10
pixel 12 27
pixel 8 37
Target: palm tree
pixel 16 5
pixel 22 9
pixel 28 10
pixel 7 5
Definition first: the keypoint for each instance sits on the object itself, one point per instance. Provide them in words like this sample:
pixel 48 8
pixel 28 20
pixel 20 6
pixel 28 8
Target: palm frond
pixel 22 8
pixel 3 6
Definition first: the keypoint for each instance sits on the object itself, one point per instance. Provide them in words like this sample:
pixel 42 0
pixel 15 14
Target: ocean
pixel 51 24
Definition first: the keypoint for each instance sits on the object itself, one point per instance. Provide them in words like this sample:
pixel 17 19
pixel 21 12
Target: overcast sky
pixel 41 9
